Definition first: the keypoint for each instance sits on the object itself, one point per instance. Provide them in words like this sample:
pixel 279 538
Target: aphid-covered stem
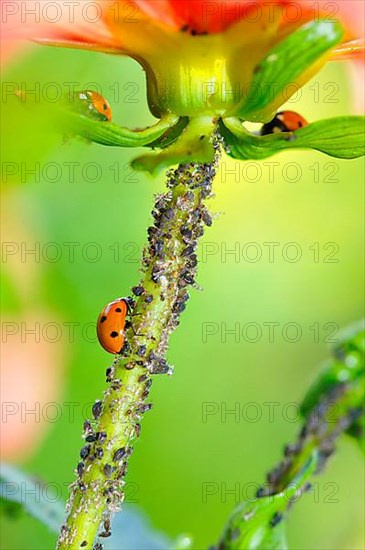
pixel 338 407
pixel 169 264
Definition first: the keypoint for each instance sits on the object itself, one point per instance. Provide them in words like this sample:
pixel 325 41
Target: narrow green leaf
pixel 108 133
pixel 31 496
pixel 20 493
pixel 259 524
pixel 341 137
pixel 131 530
pixel 286 63
pixel 347 365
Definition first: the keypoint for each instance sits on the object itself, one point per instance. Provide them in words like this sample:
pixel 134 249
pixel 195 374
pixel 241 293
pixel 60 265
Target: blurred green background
pixel 178 453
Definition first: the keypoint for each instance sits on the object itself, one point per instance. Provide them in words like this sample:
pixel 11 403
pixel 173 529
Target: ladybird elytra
pixel 111 325
pixel 284 121
pixel 93 104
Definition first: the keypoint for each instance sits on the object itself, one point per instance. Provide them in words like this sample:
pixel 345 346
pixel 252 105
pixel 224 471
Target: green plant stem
pixel 328 420
pixel 169 264
pixel 339 409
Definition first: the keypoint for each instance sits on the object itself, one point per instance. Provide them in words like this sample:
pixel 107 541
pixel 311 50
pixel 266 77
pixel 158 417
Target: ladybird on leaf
pixel 284 121
pixel 92 104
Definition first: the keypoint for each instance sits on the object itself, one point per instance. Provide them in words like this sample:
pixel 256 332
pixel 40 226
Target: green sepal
pixel 195 144
pixel 340 137
pixel 110 134
pixel 259 524
pixel 43 505
pixel 285 64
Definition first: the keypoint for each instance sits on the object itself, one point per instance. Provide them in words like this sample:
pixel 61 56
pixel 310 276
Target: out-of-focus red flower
pixel 107 25
pixel 169 39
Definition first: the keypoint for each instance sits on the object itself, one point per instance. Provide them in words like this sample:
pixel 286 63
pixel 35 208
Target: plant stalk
pixel 338 410
pixel 169 265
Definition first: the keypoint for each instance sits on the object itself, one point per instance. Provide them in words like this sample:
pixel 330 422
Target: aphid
pixel 109 374
pixel 91 438
pixel 80 468
pixel 99 452
pixel 101 437
pixel 83 544
pixel 108 470
pixel 142 350
pixel 84 453
pixel 138 290
pixel 87 426
pixel 107 524
pixel 277 518
pixel 144 407
pixel 284 121
pixel 96 409
pixel 105 534
pixel 119 454
pixel 110 325
pixel 92 104
pixel 137 429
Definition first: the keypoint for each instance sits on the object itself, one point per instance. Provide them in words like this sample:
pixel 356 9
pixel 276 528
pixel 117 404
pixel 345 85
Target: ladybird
pixel 284 121
pixel 111 324
pixel 94 105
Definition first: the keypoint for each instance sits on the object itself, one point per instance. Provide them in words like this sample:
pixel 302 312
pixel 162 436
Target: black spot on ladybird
pixel 114 334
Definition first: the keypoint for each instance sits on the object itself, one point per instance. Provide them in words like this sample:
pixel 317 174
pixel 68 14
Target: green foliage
pixel 347 366
pixel 21 493
pixel 260 524
pixel 258 212
pixel 108 133
pixel 341 137
pixel 253 524
pixel 285 63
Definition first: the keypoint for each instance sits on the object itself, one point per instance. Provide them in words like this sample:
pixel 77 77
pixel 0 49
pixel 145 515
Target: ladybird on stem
pixel 111 325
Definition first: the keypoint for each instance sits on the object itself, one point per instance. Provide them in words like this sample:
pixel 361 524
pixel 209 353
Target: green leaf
pixel 108 133
pixel 286 63
pixel 31 496
pixel 23 494
pixel 347 366
pixel 260 524
pixel 131 530
pixel 341 137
